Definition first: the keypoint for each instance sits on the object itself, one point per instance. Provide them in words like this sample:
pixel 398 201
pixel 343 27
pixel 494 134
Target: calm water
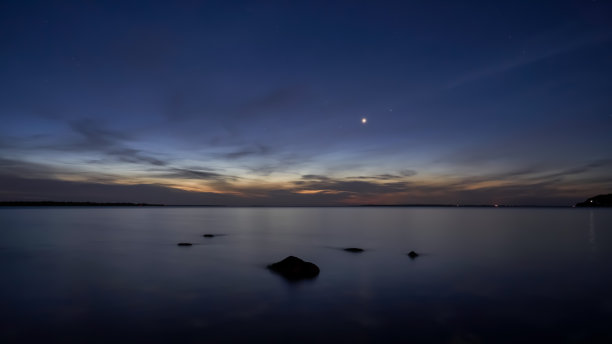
pixel 486 275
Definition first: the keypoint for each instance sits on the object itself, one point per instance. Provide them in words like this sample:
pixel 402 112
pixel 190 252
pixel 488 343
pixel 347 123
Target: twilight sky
pixel 260 103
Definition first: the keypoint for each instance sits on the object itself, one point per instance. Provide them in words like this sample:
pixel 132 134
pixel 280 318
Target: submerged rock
pixel 293 268
pixel 412 254
pixel 354 249
pixel 184 244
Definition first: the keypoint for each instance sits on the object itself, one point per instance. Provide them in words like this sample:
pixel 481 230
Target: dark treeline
pixel 597 201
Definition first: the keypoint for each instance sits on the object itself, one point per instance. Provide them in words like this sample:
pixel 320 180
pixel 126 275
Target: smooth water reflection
pixel 485 275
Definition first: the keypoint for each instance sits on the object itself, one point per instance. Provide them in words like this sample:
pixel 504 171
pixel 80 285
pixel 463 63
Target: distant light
pixel 364 120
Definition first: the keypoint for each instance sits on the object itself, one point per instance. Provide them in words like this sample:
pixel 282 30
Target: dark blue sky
pixel 261 103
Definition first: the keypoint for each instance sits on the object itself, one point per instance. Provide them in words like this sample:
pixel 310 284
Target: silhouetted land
pixel 597 201
pixel 76 204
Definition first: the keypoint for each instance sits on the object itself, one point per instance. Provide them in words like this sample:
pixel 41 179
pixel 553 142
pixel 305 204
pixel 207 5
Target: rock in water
pixel 293 268
pixel 184 244
pixel 354 249
pixel 412 254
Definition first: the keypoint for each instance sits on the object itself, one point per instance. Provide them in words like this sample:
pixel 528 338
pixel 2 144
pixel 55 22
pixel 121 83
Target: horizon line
pixel 140 204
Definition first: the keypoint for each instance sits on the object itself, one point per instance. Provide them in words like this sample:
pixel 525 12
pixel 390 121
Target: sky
pixel 261 103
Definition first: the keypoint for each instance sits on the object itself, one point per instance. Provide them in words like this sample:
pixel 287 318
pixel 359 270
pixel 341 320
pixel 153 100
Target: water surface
pixel 485 275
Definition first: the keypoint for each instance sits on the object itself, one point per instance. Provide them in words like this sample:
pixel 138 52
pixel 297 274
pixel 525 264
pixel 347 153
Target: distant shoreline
pixel 124 204
pixel 599 201
pixel 75 204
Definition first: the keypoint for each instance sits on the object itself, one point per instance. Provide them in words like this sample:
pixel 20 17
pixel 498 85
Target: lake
pixel 485 275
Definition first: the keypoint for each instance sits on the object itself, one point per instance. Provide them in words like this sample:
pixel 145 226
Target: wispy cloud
pixel 588 167
pixel 544 50
pixel 252 150
pixel 93 136
pixel 184 173
pixel 388 176
pixel 26 169
pixel 315 177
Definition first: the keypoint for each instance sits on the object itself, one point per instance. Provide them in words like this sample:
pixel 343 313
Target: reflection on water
pixel 592 231
pixel 485 275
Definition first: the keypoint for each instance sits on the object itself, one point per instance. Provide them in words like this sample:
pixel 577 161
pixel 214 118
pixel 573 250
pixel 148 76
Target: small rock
pixel 293 268
pixel 412 254
pixel 208 235
pixel 354 249
pixel 184 244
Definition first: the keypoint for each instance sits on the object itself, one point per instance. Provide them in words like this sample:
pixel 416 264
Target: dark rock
pixel 597 201
pixel 412 254
pixel 208 235
pixel 293 268
pixel 184 244
pixel 354 249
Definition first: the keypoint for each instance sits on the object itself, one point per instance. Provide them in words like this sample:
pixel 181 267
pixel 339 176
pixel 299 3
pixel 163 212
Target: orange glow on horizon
pixel 314 192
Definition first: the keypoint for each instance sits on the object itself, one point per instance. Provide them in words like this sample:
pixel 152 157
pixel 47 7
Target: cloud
pixel 22 180
pixel 522 186
pixel 387 176
pixel 22 189
pixel 580 169
pixel 14 188
pixel 315 177
pixel 350 186
pixel 408 173
pixel 542 175
pixel 373 178
pixel 25 169
pixel 255 150
pixel 94 137
pixel 274 163
pixel 195 174
pixel 134 156
pixel 550 50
